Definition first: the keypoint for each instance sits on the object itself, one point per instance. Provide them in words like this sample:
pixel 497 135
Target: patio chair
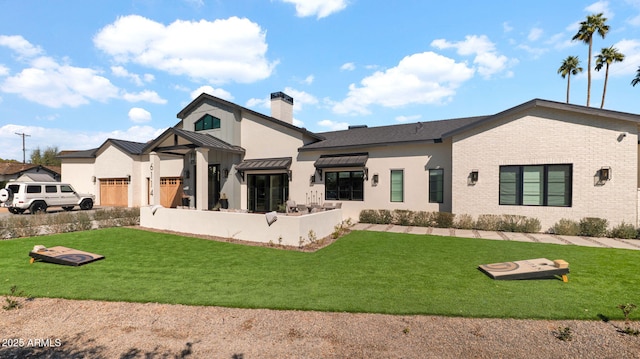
pixel 291 206
pixel 328 205
pixel 302 208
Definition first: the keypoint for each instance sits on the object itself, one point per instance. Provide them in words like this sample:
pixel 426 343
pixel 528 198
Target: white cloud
pixel 318 8
pixel 487 60
pixel 309 80
pixel 333 125
pixel 349 66
pixel 20 45
pixel 235 48
pixel 223 94
pixel 139 115
pixel 56 85
pixel 412 118
pixel 300 98
pixel 631 51
pixel 424 78
pixel 4 71
pixel 297 122
pixel 600 7
pixel 135 78
pixel 535 34
pixel 264 103
pixel 506 27
pixel 146 96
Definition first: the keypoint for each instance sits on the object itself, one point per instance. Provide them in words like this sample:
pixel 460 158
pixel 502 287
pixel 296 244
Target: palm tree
pixel 636 80
pixel 593 24
pixel 570 66
pixel 606 57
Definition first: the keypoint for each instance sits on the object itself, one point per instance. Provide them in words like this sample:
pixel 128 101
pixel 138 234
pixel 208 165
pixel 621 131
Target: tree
pixel 46 158
pixel 636 80
pixel 606 57
pixel 570 66
pixel 594 24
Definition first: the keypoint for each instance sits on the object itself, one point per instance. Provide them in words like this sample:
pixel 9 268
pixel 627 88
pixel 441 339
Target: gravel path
pixel 57 328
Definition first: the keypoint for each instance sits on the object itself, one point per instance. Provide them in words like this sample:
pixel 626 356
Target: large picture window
pixel 539 185
pixel 207 122
pixel 397 186
pixel 344 186
pixel 436 185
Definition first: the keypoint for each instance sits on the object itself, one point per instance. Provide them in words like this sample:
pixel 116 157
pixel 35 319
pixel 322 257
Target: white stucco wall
pixel 544 136
pixel 242 226
pixel 78 172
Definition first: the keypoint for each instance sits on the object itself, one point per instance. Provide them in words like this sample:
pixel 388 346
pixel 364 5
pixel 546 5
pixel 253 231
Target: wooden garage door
pixel 171 192
pixel 114 192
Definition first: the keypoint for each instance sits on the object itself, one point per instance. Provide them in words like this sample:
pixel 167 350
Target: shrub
pixel 531 225
pixel 443 219
pixel 421 219
pixel 368 216
pixel 488 222
pixel 464 221
pixel 566 227
pixel 402 217
pixel 384 216
pixel 510 223
pixel 593 227
pixel 624 231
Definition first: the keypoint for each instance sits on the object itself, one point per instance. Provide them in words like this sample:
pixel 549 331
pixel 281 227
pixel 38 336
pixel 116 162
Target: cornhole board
pixel 64 255
pixel 527 269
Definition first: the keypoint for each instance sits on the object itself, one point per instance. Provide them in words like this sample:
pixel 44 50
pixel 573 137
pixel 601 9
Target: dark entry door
pixel 214 185
pixel 267 192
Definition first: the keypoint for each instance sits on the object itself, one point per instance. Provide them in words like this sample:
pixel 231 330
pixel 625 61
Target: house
pixel 14 171
pixel 540 159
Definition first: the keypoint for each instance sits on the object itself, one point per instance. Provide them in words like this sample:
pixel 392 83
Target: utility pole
pixel 24 151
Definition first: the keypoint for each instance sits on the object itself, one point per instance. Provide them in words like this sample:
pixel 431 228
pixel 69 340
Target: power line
pixel 24 155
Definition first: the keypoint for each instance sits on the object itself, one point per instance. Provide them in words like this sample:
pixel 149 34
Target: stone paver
pixel 512 236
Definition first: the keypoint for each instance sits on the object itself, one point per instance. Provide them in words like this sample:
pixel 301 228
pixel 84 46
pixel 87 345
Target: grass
pixel 361 272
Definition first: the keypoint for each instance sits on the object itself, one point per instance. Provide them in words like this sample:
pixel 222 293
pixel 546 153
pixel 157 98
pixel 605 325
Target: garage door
pixel 114 192
pixel 171 192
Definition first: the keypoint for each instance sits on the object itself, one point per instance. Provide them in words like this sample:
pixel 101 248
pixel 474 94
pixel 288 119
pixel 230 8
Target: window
pixel 436 185
pixel 66 189
pixel 207 122
pixel 397 185
pixel 51 189
pixel 34 189
pixel 344 186
pixel 540 185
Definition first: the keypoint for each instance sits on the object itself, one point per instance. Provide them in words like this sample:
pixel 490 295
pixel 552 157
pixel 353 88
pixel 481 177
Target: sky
pixel 74 73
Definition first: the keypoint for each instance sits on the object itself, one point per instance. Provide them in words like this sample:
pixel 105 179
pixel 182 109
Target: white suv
pixel 38 196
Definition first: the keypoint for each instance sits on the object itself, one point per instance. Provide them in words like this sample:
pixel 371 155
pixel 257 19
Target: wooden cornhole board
pixel 527 269
pixel 64 255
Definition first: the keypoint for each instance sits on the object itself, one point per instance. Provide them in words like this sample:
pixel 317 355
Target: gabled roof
pixel 204 96
pixel 13 168
pixel 420 132
pixel 129 147
pixel 196 139
pixel 560 106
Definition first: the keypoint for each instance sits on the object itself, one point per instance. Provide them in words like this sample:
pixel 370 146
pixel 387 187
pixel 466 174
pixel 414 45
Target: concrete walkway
pixel 505 236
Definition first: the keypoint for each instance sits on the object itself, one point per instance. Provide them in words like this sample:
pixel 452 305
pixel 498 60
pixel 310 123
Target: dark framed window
pixel 207 122
pixel 536 185
pixel 344 186
pixel 66 188
pixel 397 185
pixel 34 189
pixel 436 185
pixel 51 189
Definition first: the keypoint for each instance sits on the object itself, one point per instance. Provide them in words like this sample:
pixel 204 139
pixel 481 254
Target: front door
pixel 214 185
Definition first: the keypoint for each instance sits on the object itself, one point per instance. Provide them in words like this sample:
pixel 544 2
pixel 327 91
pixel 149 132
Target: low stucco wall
pixel 243 226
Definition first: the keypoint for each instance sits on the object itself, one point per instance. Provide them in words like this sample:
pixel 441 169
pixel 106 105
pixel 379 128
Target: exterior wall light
pixel 375 179
pixel 604 174
pixel 473 177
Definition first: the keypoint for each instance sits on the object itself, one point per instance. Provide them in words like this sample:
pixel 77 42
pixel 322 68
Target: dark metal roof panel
pixel 346 160
pixel 265 164
pixel 206 140
pixel 134 148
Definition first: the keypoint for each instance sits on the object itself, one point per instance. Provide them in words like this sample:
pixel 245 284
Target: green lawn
pixel 361 272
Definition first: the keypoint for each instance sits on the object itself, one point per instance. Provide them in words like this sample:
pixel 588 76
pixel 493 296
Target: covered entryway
pixel 267 183
pixel 114 192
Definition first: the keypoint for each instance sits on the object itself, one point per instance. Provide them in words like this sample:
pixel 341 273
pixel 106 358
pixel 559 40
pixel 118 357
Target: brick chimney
pixel 282 107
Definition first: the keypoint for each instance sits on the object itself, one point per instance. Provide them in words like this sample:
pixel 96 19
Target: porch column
pixel 202 178
pixel 154 174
